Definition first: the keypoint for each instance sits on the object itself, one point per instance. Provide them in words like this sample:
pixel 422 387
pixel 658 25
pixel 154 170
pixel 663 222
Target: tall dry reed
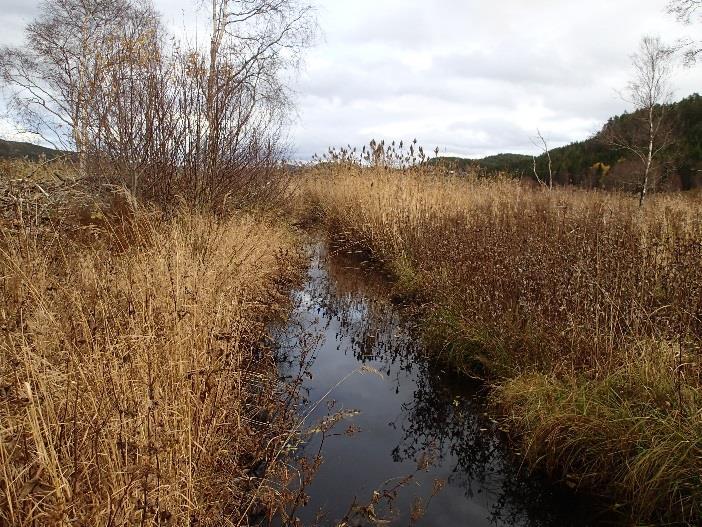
pixel 584 310
pixel 134 386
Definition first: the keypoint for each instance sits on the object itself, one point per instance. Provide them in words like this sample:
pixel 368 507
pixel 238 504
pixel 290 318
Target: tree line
pixel 596 163
pixel 657 145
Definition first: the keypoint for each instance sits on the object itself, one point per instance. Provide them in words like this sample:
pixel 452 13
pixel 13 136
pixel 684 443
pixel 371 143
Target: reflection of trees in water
pixel 444 421
pixel 449 422
pixel 352 295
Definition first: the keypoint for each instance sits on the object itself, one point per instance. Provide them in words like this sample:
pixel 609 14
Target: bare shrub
pixel 167 120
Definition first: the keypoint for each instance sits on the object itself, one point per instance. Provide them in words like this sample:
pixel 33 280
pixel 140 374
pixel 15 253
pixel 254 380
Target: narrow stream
pixel 410 444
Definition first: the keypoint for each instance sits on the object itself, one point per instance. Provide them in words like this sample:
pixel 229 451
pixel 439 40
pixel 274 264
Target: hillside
pixel 496 163
pixel 18 150
pixel 594 163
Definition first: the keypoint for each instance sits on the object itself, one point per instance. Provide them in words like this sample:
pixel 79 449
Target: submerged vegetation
pixel 583 311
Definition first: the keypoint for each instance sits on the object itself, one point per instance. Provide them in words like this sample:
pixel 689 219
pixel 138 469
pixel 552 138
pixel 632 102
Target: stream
pixel 401 442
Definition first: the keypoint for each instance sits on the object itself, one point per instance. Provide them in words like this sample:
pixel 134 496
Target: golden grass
pixel 134 389
pixel 584 310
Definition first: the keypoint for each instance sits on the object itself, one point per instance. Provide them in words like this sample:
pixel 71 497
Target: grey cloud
pixel 470 76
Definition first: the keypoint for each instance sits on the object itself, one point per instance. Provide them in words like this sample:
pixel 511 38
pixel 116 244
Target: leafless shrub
pixel 170 121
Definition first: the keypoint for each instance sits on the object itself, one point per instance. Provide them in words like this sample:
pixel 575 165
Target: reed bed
pixel 135 388
pixel 582 309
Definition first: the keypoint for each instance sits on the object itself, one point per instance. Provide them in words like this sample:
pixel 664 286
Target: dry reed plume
pixel 584 311
pixel 134 389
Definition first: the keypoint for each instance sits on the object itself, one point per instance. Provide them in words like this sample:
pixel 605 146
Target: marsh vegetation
pixel 398 438
pixel 547 346
pixel 136 386
pixel 580 308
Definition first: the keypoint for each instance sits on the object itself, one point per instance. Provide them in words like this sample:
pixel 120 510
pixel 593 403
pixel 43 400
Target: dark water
pixel 414 437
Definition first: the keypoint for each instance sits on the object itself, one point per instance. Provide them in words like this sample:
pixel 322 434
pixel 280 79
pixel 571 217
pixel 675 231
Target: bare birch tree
pixel 55 78
pixel 540 142
pixel 686 11
pixel 650 93
pixel 251 44
pixel 165 119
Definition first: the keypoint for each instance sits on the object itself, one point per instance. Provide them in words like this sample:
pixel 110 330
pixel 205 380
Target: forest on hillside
pixel 597 163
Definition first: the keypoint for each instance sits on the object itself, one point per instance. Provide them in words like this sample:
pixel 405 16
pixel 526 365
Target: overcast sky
pixel 470 76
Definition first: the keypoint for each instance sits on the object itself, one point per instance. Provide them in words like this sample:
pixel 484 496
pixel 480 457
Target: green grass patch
pixel 632 435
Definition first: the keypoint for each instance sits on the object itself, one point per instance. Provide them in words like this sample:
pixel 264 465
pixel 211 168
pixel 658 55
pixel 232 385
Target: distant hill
pixel 594 163
pixel 19 150
pixel 496 163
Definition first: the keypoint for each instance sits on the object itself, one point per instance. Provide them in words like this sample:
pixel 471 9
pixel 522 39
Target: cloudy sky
pixel 470 76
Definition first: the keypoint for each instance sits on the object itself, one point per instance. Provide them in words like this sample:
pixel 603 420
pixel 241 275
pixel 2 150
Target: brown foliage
pixel 168 121
pixel 133 385
pixel 584 308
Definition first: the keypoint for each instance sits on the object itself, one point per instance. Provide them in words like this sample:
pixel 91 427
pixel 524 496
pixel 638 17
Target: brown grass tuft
pixel 134 389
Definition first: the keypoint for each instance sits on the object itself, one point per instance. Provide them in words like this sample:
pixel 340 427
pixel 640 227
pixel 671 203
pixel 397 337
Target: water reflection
pixel 415 444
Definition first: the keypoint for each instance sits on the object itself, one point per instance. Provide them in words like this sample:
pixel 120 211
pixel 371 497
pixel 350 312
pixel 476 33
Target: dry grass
pixel 585 310
pixel 134 389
